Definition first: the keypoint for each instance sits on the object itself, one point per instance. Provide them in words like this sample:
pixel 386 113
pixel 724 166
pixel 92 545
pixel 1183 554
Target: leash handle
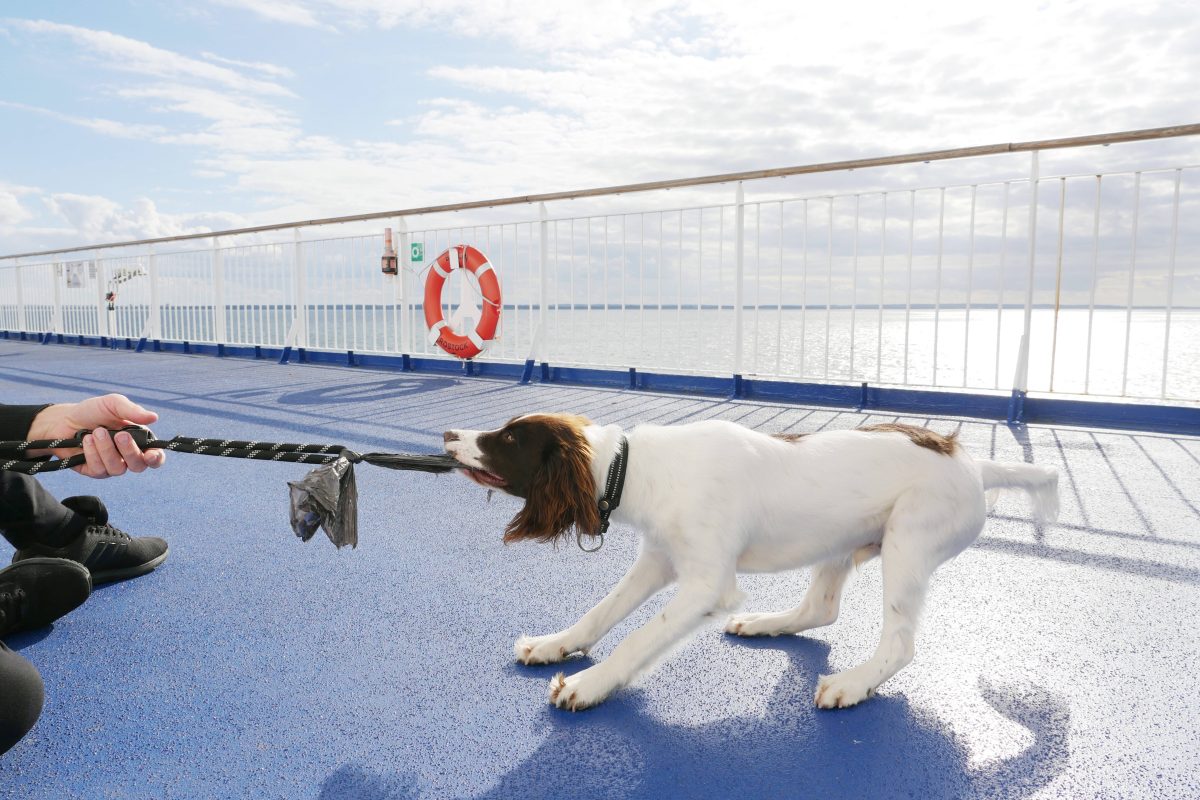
pixel 13 455
pixel 142 437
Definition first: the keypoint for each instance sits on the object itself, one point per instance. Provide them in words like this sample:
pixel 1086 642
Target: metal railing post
pixel 103 316
pixel 543 278
pixel 56 321
pixel 1016 405
pixel 1170 283
pixel 1058 276
pixel 1133 254
pixel 218 265
pixel 301 318
pixel 22 317
pixel 155 326
pixel 738 288
pixel 404 255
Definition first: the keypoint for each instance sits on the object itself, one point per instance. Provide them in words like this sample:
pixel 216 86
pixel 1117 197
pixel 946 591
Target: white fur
pixel 713 498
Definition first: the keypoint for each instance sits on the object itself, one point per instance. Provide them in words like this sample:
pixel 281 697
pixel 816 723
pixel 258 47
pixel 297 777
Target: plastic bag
pixel 327 498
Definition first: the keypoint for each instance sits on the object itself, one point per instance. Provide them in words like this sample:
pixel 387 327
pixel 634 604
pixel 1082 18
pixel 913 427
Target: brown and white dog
pixel 714 498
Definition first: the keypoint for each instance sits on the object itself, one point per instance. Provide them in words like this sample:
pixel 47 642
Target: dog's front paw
pixel 843 690
pixel 754 625
pixel 581 690
pixel 548 649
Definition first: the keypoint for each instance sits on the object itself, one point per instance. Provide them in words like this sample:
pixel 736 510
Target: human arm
pixel 107 455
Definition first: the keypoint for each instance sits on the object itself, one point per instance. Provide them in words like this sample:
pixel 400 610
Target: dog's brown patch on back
pixel 921 437
pixel 790 438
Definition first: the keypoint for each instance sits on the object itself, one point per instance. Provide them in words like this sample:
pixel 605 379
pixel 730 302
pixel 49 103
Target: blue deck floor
pixel 1055 663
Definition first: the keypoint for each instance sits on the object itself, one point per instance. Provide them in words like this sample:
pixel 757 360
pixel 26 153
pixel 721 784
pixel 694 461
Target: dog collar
pixel 613 487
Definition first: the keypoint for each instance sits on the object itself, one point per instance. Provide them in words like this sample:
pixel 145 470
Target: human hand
pixel 107 455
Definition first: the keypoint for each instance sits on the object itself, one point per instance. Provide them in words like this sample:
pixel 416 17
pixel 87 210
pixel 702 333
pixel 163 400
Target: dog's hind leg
pixel 920 534
pixel 819 607
pixel 649 573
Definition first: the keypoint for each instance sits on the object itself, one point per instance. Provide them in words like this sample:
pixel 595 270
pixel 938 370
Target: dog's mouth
pixel 484 478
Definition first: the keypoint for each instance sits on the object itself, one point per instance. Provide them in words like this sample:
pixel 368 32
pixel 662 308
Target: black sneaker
pixel 109 553
pixel 38 591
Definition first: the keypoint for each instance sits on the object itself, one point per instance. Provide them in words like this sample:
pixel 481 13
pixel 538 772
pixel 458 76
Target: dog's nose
pixel 450 436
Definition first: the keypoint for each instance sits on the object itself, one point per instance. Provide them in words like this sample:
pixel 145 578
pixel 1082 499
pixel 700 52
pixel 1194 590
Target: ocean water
pixel 1072 351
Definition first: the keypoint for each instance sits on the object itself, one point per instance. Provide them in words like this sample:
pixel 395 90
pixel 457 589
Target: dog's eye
pixel 508 438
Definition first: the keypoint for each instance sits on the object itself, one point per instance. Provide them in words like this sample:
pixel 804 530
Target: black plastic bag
pixel 327 498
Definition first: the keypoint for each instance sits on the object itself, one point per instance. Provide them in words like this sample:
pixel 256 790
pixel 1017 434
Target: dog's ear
pixel 562 493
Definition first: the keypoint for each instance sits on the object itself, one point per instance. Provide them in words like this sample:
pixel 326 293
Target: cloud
pixel 616 91
pixel 234 123
pixel 97 218
pixel 238 113
pixel 131 55
pixel 32 218
pixel 260 66
pixel 108 127
pixel 589 24
pixel 276 11
pixel 12 211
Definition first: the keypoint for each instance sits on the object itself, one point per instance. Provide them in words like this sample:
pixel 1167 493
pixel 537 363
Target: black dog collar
pixel 613 487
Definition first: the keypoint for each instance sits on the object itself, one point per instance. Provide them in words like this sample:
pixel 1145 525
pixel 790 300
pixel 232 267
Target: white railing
pixel 886 281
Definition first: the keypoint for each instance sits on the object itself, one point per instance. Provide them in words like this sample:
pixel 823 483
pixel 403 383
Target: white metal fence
pixel 1085 282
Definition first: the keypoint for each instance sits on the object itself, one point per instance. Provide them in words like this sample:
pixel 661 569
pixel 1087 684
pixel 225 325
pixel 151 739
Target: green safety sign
pixel 418 251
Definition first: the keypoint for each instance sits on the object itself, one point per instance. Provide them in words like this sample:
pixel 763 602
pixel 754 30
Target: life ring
pixel 471 344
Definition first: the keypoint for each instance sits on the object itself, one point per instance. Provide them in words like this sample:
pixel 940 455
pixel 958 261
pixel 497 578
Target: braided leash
pixel 325 499
pixel 14 458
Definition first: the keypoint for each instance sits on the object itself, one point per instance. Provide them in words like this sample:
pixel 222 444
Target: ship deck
pixel 1051 662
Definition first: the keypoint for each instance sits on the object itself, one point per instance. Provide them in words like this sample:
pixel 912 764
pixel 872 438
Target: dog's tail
pixel 1040 483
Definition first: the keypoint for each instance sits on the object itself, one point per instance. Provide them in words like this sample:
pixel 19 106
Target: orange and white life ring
pixel 472 343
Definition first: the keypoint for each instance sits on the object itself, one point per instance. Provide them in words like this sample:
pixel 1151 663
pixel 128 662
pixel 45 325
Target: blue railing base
pixel 1015 409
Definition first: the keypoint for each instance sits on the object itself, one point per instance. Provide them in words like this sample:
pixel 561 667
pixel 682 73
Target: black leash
pixel 613 487
pixel 14 458
pixel 325 499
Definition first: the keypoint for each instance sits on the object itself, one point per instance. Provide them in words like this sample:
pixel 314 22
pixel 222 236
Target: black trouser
pixel 21 695
pixel 28 515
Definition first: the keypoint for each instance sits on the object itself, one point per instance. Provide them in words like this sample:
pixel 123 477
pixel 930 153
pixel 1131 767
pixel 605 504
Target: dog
pixel 713 498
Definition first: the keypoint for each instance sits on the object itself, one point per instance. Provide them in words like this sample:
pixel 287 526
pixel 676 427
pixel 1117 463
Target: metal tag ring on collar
pixel 579 541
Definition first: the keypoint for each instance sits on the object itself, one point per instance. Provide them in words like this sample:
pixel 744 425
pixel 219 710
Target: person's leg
pixel 33 594
pixel 29 515
pixel 20 700
pixel 77 529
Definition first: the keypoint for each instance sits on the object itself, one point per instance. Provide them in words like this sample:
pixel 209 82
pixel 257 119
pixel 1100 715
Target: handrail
pixel 1144 134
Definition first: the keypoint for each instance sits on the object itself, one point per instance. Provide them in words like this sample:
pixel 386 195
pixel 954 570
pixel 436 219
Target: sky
pixel 139 118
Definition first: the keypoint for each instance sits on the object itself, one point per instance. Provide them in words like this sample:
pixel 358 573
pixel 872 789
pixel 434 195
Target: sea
pixel 1151 354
